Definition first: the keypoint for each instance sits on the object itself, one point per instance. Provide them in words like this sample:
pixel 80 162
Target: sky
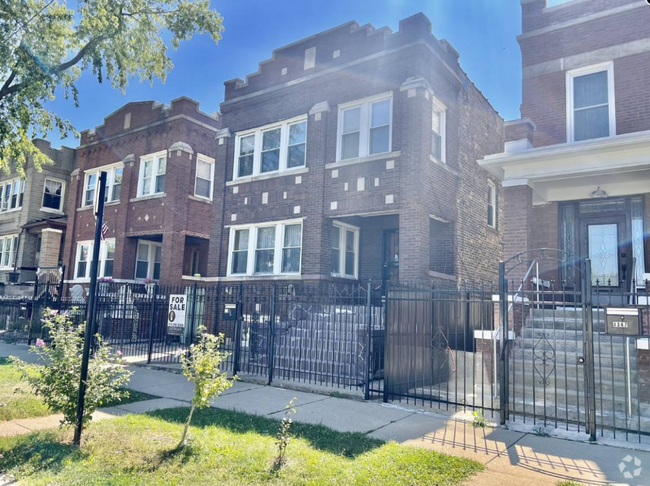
pixel 483 32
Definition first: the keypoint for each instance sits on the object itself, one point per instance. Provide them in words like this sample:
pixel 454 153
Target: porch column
pixel 50 247
pixel 517 222
pixel 173 252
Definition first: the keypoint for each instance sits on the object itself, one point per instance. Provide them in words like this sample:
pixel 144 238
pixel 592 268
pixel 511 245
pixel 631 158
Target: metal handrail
pixel 633 289
pixel 534 263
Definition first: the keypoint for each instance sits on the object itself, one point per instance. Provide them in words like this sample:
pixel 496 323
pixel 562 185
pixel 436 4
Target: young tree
pixel 202 367
pixel 45 45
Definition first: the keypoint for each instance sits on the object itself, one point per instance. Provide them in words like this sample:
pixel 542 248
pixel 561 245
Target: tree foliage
pixel 45 45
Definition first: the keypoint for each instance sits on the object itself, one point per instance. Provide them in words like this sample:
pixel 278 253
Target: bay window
pixel 52 195
pixel 153 168
pixel 265 249
pixel 271 149
pixel 344 261
pixel 84 257
pixel 11 194
pixel 204 177
pixel 590 102
pixel 365 127
pixel 8 251
pixel 148 260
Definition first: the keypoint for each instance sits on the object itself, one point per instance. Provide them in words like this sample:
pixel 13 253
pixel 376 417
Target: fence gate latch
pixel 581 360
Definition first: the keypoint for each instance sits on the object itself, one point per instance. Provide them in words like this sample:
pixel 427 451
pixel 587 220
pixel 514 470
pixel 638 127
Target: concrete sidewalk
pixel 510 457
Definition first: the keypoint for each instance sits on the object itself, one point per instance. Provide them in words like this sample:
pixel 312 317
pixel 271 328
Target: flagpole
pixel 90 309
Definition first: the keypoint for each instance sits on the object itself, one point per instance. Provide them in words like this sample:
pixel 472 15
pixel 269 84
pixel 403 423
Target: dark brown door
pixel 391 255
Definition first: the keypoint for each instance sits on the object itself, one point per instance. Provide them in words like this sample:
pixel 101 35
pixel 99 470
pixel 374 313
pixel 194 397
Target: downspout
pixel 223 205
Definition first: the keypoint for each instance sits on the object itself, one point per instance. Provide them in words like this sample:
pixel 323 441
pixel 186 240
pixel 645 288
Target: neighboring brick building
pixel 160 165
pixel 576 170
pixel 352 154
pixel 33 215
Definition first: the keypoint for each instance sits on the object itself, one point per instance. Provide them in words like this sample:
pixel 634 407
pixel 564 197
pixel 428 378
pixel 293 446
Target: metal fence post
pixel 238 329
pixel 271 350
pixel 504 385
pixel 124 304
pixel 193 321
pixel 34 311
pixel 366 380
pixel 588 343
pixel 386 293
pixel 152 322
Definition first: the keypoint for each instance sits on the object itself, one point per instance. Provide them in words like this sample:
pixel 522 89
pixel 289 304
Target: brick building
pixel 160 165
pixel 352 154
pixel 576 167
pixel 33 215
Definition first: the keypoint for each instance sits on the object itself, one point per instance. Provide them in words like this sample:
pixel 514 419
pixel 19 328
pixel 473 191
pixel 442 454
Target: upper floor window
pixel 271 149
pixel 364 127
pixel 492 205
pixel 8 250
pixel 265 249
pixel 590 102
pixel 344 261
pixel 114 174
pixel 153 168
pixel 11 194
pixel 53 195
pixel 84 257
pixel 204 177
pixel 439 131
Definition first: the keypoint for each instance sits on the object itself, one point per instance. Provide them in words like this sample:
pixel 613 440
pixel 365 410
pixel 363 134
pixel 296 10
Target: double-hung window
pixel 266 249
pixel 148 260
pixel 344 260
pixel 85 254
pixel 439 131
pixel 153 168
pixel 11 194
pixel 204 177
pixel 271 149
pixel 53 195
pixel 114 174
pixel 365 127
pixel 590 102
pixel 492 205
pixel 8 250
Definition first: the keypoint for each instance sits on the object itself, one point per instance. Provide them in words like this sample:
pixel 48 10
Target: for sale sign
pixel 176 314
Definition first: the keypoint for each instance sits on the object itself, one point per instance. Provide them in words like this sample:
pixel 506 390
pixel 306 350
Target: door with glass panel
pixel 605 242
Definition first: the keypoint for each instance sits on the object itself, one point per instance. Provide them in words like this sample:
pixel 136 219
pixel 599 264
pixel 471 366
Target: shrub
pixel 56 379
pixel 284 436
pixel 202 367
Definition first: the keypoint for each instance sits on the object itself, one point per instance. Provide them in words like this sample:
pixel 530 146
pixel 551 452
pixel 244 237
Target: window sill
pixel 53 211
pixel 443 165
pixel 343 277
pixel 112 203
pixel 11 210
pixel 199 199
pixel 442 276
pixel 148 197
pixel 262 177
pixel 492 229
pixel 233 278
pixel 361 160
pixel 84 208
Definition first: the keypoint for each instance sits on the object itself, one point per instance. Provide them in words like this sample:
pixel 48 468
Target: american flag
pixel 104 231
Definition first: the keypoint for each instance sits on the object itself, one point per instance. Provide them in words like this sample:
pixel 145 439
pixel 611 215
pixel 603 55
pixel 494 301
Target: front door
pixel 605 241
pixel 391 255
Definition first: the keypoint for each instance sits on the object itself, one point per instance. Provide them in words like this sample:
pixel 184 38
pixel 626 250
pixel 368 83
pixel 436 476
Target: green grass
pixel 17 401
pixel 227 448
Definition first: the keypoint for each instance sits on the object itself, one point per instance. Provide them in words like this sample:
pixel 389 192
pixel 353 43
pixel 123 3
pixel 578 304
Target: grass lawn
pixel 227 448
pixel 17 400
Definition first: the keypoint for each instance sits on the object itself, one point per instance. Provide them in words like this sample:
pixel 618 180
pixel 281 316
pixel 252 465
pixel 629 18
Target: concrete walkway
pixel 511 458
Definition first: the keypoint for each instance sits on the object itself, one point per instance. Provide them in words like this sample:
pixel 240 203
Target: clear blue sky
pixel 482 31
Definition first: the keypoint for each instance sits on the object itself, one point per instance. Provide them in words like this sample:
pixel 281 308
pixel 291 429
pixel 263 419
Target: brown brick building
pixel 576 169
pixel 352 154
pixel 160 165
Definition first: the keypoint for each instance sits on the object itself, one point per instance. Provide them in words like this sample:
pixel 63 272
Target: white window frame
pixel 611 101
pixel 364 125
pixel 102 259
pixel 207 160
pixel 252 247
pixel 343 228
pixel 151 258
pixel 12 240
pixel 11 184
pixel 155 157
pixel 492 201
pixel 257 152
pixel 51 210
pixel 442 109
pixel 110 182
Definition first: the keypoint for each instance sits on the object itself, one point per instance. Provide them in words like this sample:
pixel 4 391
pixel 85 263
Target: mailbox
pixel 230 312
pixel 623 321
